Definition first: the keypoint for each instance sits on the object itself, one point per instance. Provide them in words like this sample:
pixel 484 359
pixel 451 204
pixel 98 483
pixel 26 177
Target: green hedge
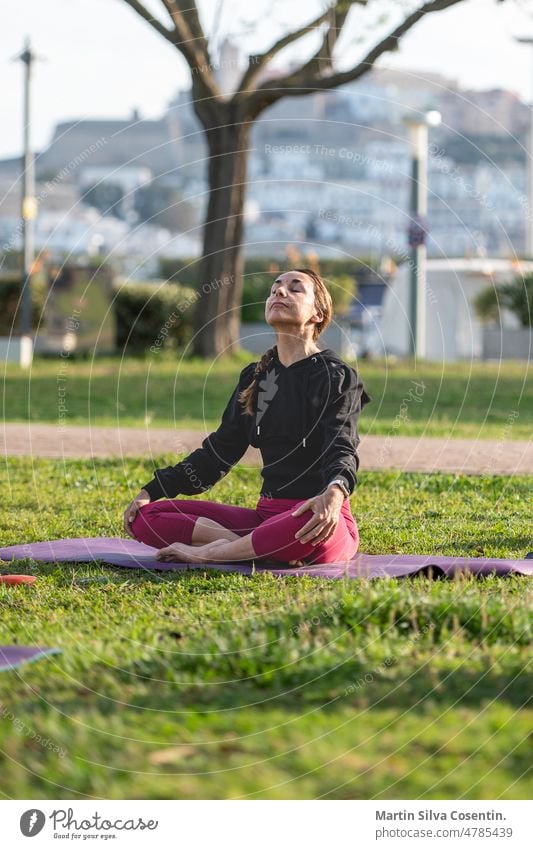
pixel 152 316
pixel 147 314
pixel 10 288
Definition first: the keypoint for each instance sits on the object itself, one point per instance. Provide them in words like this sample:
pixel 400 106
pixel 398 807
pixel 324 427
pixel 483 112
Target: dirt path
pixel 410 454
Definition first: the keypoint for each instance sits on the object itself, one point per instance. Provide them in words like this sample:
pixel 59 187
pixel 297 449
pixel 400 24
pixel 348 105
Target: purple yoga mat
pixel 11 657
pixel 118 551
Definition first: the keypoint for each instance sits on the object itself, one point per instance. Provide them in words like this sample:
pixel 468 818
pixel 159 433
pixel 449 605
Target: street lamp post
pixel 29 201
pixel 418 138
pixel 529 170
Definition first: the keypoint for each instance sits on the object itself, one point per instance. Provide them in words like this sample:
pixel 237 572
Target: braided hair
pixel 323 303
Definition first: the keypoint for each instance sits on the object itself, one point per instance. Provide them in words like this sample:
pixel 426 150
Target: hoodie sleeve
pixel 346 397
pixel 205 466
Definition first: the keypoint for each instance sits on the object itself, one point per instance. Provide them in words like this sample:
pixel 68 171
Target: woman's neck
pixel 290 350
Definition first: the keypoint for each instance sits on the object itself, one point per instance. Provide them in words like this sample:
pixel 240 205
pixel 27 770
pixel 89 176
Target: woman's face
pixel 291 302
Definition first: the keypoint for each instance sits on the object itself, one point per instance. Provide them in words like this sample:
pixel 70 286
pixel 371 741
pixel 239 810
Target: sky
pixel 92 67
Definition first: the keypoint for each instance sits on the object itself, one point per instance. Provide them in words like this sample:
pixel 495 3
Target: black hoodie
pixel 305 426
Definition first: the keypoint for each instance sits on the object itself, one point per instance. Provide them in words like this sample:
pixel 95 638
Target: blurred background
pixel 117 168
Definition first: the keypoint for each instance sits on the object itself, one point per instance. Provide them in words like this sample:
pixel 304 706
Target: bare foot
pixel 179 552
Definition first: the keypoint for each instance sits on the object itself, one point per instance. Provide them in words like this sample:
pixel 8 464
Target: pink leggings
pixel 272 527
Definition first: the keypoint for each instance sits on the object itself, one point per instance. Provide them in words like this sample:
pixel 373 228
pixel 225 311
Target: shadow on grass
pixel 399 694
pixel 520 545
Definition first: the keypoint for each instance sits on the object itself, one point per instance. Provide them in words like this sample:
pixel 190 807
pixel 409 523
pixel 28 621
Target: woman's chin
pixel 274 320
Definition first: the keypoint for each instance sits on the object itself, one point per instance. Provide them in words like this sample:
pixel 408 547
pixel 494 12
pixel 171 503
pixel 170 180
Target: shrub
pixel 516 296
pixel 152 315
pixel 186 270
pixel 146 314
pixel 10 289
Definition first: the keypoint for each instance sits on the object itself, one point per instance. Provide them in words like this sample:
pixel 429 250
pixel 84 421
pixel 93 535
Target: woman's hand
pixel 326 508
pixel 130 512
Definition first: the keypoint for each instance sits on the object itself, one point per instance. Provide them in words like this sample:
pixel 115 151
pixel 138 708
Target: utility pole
pixel 418 137
pixel 529 170
pixel 29 201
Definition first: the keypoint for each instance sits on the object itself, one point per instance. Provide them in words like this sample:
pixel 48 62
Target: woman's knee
pixel 340 548
pixel 149 519
pixel 141 525
pixel 278 541
pixel 163 523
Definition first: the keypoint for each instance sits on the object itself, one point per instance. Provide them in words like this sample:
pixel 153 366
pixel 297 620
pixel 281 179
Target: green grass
pixel 480 400
pixel 211 685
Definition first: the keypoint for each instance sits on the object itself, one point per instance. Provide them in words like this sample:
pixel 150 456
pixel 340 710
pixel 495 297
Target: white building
pixel 454 330
pixel 128 177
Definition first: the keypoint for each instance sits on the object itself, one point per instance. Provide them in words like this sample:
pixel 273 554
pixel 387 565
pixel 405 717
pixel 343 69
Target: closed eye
pixel 294 286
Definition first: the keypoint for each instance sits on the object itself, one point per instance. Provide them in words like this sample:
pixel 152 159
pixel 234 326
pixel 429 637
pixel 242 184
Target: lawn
pixel 473 400
pixel 211 685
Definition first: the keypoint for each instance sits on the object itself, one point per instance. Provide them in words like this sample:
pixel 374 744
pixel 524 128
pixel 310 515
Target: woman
pixel 299 405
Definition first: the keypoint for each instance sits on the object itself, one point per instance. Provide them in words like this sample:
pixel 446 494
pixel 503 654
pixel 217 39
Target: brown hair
pixel 323 304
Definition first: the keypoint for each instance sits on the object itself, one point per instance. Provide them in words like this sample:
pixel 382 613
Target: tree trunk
pixel 217 310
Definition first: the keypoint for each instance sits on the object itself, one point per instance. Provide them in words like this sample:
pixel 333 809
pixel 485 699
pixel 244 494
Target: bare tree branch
pixel 189 11
pixel 322 60
pixel 302 82
pixel 258 62
pixel 187 35
pixel 169 34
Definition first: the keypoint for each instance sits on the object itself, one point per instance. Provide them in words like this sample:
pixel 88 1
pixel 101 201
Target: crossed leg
pixel 192 522
pixel 218 551
pixel 207 530
pixel 272 538
pixel 188 530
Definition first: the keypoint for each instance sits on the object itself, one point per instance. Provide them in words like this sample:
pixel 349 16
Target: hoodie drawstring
pixel 306 385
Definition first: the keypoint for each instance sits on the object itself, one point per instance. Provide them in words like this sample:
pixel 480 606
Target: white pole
pixel 28 202
pixel 421 250
pixel 418 135
pixel 418 210
pixel 529 217
pixel 529 164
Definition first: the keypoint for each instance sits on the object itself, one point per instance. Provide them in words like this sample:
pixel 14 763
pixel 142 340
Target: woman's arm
pixel 344 397
pixel 205 466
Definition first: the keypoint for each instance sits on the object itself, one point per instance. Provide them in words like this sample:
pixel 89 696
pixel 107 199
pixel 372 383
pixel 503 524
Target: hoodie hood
pixel 310 362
